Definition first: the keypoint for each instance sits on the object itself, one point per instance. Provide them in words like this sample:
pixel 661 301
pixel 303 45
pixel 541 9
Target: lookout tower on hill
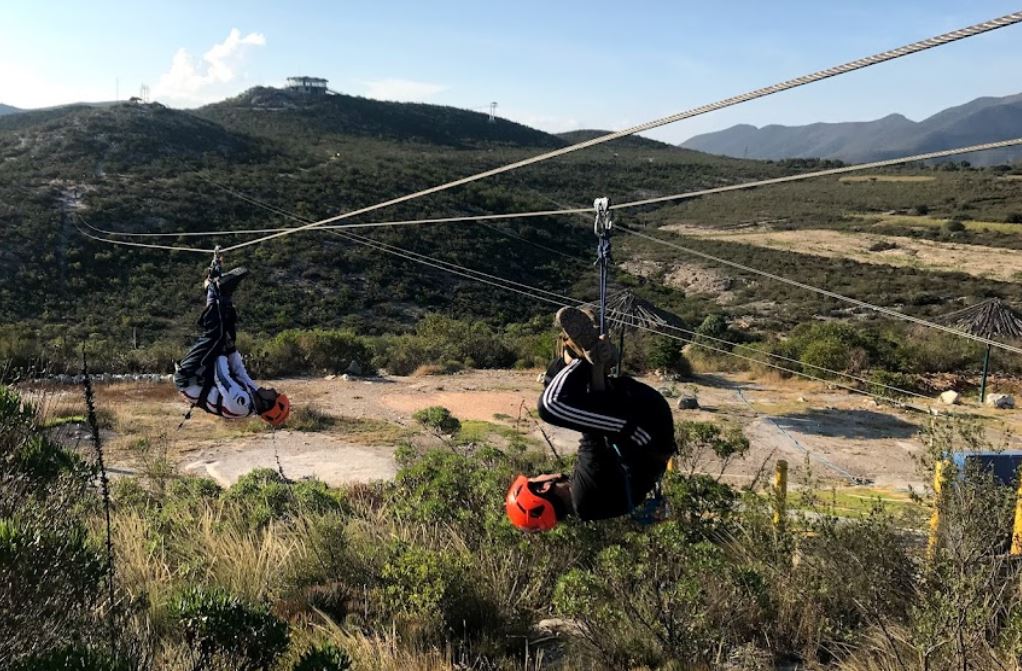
pixel 307 85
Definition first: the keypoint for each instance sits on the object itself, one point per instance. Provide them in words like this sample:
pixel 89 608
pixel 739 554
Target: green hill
pixel 147 168
pixel 291 117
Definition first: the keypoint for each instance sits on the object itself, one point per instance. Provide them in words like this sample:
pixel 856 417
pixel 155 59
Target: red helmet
pixel 279 409
pixel 527 510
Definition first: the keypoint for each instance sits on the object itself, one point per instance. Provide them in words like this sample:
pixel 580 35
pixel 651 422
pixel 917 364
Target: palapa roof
pixel 991 318
pixel 626 309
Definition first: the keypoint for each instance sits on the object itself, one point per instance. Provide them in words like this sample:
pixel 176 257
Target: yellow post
pixel 1016 532
pixel 939 480
pixel 780 494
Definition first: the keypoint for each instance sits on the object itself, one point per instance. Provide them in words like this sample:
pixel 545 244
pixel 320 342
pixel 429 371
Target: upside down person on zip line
pixel 627 435
pixel 212 375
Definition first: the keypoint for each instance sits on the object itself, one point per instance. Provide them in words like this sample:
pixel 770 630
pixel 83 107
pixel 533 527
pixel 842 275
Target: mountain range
pixel 982 120
pixel 7 109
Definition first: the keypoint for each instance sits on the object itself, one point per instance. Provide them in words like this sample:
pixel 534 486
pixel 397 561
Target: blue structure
pixel 1003 465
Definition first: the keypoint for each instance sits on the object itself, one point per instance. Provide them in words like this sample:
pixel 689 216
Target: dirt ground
pixel 978 260
pixel 828 434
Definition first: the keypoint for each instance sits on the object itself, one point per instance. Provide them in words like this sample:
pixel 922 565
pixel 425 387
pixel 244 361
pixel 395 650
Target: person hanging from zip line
pixel 212 375
pixel 627 435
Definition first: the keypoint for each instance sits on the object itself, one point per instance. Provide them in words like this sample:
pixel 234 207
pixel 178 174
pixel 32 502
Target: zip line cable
pixel 562 299
pixel 825 292
pixel 127 243
pixel 915 47
pixel 693 194
pixel 554 297
pixel 558 299
pixel 585 211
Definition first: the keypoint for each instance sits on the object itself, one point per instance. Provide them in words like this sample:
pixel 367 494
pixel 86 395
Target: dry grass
pixel 886 178
pixel 996 263
pixel 212 548
pixel 915 221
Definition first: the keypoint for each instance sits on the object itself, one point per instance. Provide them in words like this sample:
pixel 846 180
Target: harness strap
pixel 627 473
pixel 602 227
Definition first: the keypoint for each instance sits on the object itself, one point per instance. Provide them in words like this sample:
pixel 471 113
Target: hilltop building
pixel 307 85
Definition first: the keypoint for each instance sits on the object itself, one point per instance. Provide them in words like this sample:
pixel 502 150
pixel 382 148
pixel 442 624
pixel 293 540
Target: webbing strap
pixel 602 227
pixel 627 473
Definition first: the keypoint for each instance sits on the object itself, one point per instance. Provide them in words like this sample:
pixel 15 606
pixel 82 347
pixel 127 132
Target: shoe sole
pixel 578 326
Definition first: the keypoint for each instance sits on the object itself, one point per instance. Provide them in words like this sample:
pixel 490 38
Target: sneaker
pixel 581 334
pixel 603 353
pixel 230 280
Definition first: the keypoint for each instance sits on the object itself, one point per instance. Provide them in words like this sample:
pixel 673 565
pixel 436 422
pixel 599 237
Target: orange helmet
pixel 278 411
pixel 528 510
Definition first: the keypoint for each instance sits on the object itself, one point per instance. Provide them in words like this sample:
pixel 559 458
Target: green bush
pixel 659 598
pixel 263 495
pixel 435 589
pixel 323 658
pixel 444 341
pixel 72 658
pixel 218 626
pixel 316 351
pixel 827 352
pixel 51 574
pixel 953 226
pixel 665 354
pixel 438 419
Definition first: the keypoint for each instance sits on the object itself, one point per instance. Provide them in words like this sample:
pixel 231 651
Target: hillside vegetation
pixel 425 572
pixel 146 168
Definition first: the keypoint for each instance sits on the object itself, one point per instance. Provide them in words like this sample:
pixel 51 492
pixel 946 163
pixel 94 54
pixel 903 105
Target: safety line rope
pixel 557 297
pixel 851 66
pixel 562 299
pixel 825 292
pixel 734 187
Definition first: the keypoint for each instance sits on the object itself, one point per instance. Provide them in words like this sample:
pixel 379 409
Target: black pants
pixel 217 338
pixel 568 402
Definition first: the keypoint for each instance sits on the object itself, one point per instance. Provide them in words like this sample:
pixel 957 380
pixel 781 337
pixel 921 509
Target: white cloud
pixel 23 86
pixel 544 122
pixel 402 89
pixel 190 81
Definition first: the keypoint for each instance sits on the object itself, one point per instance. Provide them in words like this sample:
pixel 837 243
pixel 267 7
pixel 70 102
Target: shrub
pixel 438 419
pixel 697 441
pixel 665 354
pixel 218 626
pixel 954 226
pixel 263 495
pixel 317 351
pixel 435 589
pixel 323 658
pixel 829 353
pixel 1014 218
pixel 659 598
pixel 51 575
pixel 72 658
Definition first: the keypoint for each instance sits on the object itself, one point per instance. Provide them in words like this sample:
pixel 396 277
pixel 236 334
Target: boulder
pixel 688 402
pixel 950 397
pixel 1001 401
pixel 354 368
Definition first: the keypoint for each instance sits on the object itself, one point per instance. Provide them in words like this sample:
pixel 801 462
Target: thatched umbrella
pixel 993 319
pixel 630 313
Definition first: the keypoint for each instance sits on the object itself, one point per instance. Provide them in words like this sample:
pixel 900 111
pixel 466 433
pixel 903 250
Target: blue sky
pixel 553 65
